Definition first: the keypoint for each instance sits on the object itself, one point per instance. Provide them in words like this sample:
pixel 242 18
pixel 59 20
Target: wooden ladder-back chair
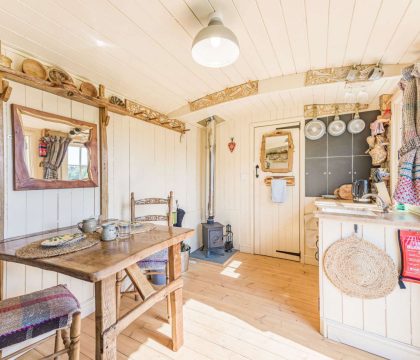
pixel 154 264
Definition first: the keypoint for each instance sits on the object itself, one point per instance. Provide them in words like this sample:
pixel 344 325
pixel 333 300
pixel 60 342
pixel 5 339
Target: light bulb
pixel 215 41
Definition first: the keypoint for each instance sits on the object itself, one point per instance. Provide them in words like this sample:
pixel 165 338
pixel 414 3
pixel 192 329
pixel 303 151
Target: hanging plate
pixel 356 125
pixel 336 127
pixel 314 129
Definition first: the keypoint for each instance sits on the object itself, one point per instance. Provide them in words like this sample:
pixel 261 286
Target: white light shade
pixel 215 46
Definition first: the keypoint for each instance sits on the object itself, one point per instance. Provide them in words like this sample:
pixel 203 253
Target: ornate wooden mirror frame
pixel 289 152
pixel 22 178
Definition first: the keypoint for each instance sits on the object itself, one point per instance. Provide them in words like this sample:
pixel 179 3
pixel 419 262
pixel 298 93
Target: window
pixel 77 162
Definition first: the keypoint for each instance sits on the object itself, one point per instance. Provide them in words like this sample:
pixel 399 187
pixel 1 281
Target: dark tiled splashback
pixel 336 160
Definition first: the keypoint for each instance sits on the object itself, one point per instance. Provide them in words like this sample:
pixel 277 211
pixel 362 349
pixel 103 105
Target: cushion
pixel 157 261
pixel 28 316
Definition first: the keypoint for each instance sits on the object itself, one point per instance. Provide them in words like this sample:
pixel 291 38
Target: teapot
pixel 109 231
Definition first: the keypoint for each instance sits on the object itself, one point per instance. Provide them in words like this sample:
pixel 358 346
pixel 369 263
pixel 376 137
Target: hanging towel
pixel 278 190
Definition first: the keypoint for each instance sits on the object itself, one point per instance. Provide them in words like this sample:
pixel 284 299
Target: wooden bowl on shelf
pixel 34 68
pixel 88 89
pixel 5 61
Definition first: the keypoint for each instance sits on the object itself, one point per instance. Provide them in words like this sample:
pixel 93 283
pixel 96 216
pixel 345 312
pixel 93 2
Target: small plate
pixel 61 240
pixel 34 68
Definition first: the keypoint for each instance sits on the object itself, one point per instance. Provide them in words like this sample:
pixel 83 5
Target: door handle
pixel 256 171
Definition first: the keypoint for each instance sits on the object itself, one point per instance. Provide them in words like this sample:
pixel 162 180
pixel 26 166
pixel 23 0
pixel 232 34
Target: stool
pixel 31 315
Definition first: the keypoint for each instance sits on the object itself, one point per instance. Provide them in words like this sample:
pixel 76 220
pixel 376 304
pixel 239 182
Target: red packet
pixel 410 255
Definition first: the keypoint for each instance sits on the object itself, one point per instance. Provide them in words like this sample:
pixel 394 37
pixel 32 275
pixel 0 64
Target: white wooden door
pixel 276 225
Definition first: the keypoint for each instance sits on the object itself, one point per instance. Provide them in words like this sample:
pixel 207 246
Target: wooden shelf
pixel 72 93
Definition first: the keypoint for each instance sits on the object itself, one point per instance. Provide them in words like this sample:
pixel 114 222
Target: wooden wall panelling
pixel 374 309
pixel 333 301
pixel 352 306
pixel 398 317
pixel 2 190
pixel 40 210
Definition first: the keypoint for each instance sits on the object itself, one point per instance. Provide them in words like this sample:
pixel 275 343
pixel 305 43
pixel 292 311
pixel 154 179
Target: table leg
pixel 176 298
pixel 105 317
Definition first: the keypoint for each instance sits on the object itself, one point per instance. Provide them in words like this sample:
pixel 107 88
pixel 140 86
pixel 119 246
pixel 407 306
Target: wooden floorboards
pixel 255 307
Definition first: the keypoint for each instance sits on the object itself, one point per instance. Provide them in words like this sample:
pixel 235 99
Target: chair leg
pixel 58 342
pixel 168 298
pixel 74 348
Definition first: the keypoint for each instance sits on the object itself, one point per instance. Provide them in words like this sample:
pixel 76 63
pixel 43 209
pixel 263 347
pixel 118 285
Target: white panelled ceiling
pixel 141 48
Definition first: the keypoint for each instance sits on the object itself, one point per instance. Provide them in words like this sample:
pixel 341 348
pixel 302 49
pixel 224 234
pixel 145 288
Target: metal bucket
pixel 185 259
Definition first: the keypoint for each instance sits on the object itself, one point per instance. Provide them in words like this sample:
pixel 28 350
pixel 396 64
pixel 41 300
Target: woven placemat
pixel 36 251
pixel 360 269
pixel 145 227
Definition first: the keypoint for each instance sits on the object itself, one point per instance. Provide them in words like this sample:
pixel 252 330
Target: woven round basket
pixel 360 269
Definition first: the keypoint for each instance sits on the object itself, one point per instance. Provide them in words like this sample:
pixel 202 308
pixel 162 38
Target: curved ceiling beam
pixel 274 84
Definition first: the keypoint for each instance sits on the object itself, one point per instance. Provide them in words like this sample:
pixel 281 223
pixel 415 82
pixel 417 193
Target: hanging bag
pixel 409 241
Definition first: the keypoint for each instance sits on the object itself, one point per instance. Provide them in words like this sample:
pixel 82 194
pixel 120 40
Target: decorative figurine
pixel 231 144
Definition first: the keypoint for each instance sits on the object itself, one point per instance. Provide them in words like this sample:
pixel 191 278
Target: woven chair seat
pixel 28 316
pixel 156 261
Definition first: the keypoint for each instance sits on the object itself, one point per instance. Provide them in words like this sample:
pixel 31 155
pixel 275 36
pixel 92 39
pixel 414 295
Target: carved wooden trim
pixel 290 151
pixel 22 179
pixel 152 201
pixel 152 116
pixel 331 75
pixel 232 93
pixel 313 110
pixel 75 95
pixel 152 218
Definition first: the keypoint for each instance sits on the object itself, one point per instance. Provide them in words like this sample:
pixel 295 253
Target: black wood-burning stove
pixel 213 238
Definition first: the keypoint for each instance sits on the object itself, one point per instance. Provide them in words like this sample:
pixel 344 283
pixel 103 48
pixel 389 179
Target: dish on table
pixel 62 240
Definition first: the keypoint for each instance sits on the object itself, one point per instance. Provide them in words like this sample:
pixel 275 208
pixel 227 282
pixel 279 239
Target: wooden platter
pixel 88 89
pixel 59 76
pixel 34 68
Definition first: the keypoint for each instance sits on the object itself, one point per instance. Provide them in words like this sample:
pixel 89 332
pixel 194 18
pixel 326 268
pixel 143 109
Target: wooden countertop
pixel 394 217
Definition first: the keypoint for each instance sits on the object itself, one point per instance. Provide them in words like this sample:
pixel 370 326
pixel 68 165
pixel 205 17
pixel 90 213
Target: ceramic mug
pixel 109 231
pixel 88 225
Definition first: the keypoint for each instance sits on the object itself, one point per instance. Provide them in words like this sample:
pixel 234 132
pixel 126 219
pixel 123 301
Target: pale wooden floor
pixel 255 308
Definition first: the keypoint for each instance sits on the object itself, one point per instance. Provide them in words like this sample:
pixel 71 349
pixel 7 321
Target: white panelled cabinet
pixel 388 326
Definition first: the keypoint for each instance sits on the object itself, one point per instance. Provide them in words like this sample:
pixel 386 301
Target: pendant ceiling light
pixel 215 46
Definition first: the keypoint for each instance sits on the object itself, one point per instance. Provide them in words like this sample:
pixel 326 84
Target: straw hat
pixel 360 269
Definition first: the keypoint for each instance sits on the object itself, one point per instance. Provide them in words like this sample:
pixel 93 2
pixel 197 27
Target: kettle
pixel 358 189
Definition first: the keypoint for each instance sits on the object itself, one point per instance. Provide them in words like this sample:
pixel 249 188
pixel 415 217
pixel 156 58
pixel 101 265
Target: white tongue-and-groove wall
pixel 143 158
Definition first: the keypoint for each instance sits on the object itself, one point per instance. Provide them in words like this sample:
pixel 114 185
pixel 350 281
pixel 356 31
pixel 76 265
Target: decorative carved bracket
pixel 331 75
pixel 5 90
pixel 313 110
pixel 144 113
pixel 228 94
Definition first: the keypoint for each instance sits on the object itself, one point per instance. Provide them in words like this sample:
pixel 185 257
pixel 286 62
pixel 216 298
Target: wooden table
pixel 101 263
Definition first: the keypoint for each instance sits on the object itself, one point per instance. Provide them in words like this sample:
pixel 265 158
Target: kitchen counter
pixel 386 326
pixel 394 217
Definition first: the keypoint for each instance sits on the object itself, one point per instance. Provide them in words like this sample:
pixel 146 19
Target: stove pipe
pixel 211 147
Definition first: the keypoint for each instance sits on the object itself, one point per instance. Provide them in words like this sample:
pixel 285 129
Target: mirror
pixel 277 152
pixel 52 151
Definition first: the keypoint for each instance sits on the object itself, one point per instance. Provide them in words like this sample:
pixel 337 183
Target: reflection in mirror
pixel 52 151
pixel 55 151
pixel 277 152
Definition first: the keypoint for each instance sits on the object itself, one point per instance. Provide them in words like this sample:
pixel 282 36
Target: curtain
pixel 56 152
pixel 408 185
